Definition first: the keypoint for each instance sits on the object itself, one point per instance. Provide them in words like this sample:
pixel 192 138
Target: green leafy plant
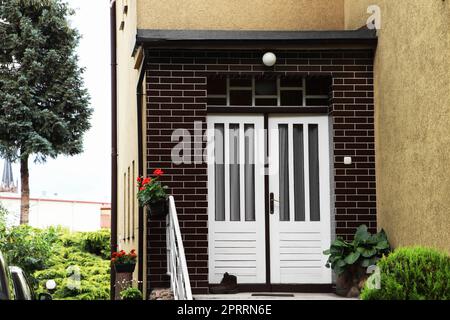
pixel 131 294
pixel 412 273
pixel 150 189
pixel 365 250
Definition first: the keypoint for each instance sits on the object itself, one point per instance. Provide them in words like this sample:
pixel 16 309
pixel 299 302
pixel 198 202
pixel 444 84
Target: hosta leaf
pixel 383 245
pixel 352 257
pixel 341 263
pixel 367 253
pixel 361 234
pixel 365 263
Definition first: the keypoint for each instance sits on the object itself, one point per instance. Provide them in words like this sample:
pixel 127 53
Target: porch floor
pixel 271 296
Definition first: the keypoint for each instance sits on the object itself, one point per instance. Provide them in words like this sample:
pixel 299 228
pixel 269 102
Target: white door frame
pixel 239 247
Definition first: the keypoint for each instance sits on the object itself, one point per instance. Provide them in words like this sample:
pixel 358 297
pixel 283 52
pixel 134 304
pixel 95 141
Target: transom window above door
pixel 268 92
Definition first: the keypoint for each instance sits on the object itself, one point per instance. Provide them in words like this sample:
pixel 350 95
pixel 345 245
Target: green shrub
pixel 51 254
pixel 3 215
pixel 94 274
pixel 412 274
pixel 27 247
pixel 98 243
pixel 131 294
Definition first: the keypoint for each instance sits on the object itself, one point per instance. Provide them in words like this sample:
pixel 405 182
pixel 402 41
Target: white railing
pixel 176 259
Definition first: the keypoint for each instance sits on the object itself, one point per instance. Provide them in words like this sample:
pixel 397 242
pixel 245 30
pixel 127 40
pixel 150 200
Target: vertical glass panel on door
pixel 249 130
pixel 299 173
pixel 284 171
pixel 313 149
pixel 219 171
pixel 235 213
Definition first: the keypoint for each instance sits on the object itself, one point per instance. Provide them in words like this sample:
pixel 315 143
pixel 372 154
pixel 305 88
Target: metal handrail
pixel 176 258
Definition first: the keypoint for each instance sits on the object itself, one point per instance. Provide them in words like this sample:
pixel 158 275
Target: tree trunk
pixel 25 191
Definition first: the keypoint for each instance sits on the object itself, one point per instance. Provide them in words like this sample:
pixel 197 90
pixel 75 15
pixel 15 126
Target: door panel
pixel 299 180
pixel 236 198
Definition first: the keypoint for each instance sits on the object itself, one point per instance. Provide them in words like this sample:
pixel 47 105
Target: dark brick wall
pixel 176 90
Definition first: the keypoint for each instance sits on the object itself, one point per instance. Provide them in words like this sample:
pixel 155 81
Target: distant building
pixel 8 184
pixel 72 214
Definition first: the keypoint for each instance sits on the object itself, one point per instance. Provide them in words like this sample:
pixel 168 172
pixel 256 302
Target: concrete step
pixel 270 296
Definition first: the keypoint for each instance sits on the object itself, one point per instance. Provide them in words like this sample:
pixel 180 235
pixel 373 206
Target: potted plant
pixel 349 260
pixel 124 262
pixel 131 294
pixel 152 194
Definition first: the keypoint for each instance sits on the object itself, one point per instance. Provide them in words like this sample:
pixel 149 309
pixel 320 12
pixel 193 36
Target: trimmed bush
pixel 98 243
pixel 94 274
pixel 415 273
pixel 55 253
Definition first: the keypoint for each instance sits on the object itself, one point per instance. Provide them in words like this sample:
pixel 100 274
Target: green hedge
pixel 50 253
pixel 415 273
pixel 86 250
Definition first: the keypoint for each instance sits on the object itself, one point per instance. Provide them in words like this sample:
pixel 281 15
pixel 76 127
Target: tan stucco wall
pixel 127 79
pixel 241 14
pixel 412 93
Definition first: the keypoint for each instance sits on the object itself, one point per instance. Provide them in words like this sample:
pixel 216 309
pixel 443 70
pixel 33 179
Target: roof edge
pixel 158 35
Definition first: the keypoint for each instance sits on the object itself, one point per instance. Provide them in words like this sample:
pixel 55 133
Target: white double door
pixel 289 217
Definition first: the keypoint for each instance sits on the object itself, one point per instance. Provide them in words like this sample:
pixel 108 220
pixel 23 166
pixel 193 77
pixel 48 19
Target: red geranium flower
pixel 158 172
pixel 146 181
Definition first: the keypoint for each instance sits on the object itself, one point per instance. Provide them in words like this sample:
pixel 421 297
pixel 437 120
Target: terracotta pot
pixel 125 267
pixel 158 209
pixel 349 279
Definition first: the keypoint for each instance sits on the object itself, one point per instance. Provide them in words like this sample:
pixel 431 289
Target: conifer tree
pixel 44 106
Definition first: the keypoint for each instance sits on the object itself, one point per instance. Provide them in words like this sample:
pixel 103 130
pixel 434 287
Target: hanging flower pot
pixel 158 209
pixel 152 195
pixel 125 267
pixel 124 262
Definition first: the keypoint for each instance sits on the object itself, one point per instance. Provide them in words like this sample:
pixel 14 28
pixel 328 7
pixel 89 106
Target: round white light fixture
pixel 269 59
pixel 50 284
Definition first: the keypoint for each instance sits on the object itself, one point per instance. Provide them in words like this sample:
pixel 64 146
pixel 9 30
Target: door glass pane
pixel 284 172
pixel 235 214
pixel 314 198
pixel 291 98
pixel 249 172
pixel 219 169
pixel 299 173
pixel 240 97
pixel 266 87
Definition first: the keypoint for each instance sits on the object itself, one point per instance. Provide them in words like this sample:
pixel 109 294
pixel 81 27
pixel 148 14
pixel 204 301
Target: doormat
pixel 272 295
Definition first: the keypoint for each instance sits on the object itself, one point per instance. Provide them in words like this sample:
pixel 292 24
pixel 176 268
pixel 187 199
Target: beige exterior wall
pixel 412 93
pixel 241 14
pixel 127 79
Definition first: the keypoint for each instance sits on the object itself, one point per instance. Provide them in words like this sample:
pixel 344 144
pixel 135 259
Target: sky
pixel 86 176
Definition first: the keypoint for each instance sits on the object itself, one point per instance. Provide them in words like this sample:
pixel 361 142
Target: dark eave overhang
pixel 151 38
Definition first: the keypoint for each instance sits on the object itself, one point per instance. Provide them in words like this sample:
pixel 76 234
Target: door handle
pixel 271 203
